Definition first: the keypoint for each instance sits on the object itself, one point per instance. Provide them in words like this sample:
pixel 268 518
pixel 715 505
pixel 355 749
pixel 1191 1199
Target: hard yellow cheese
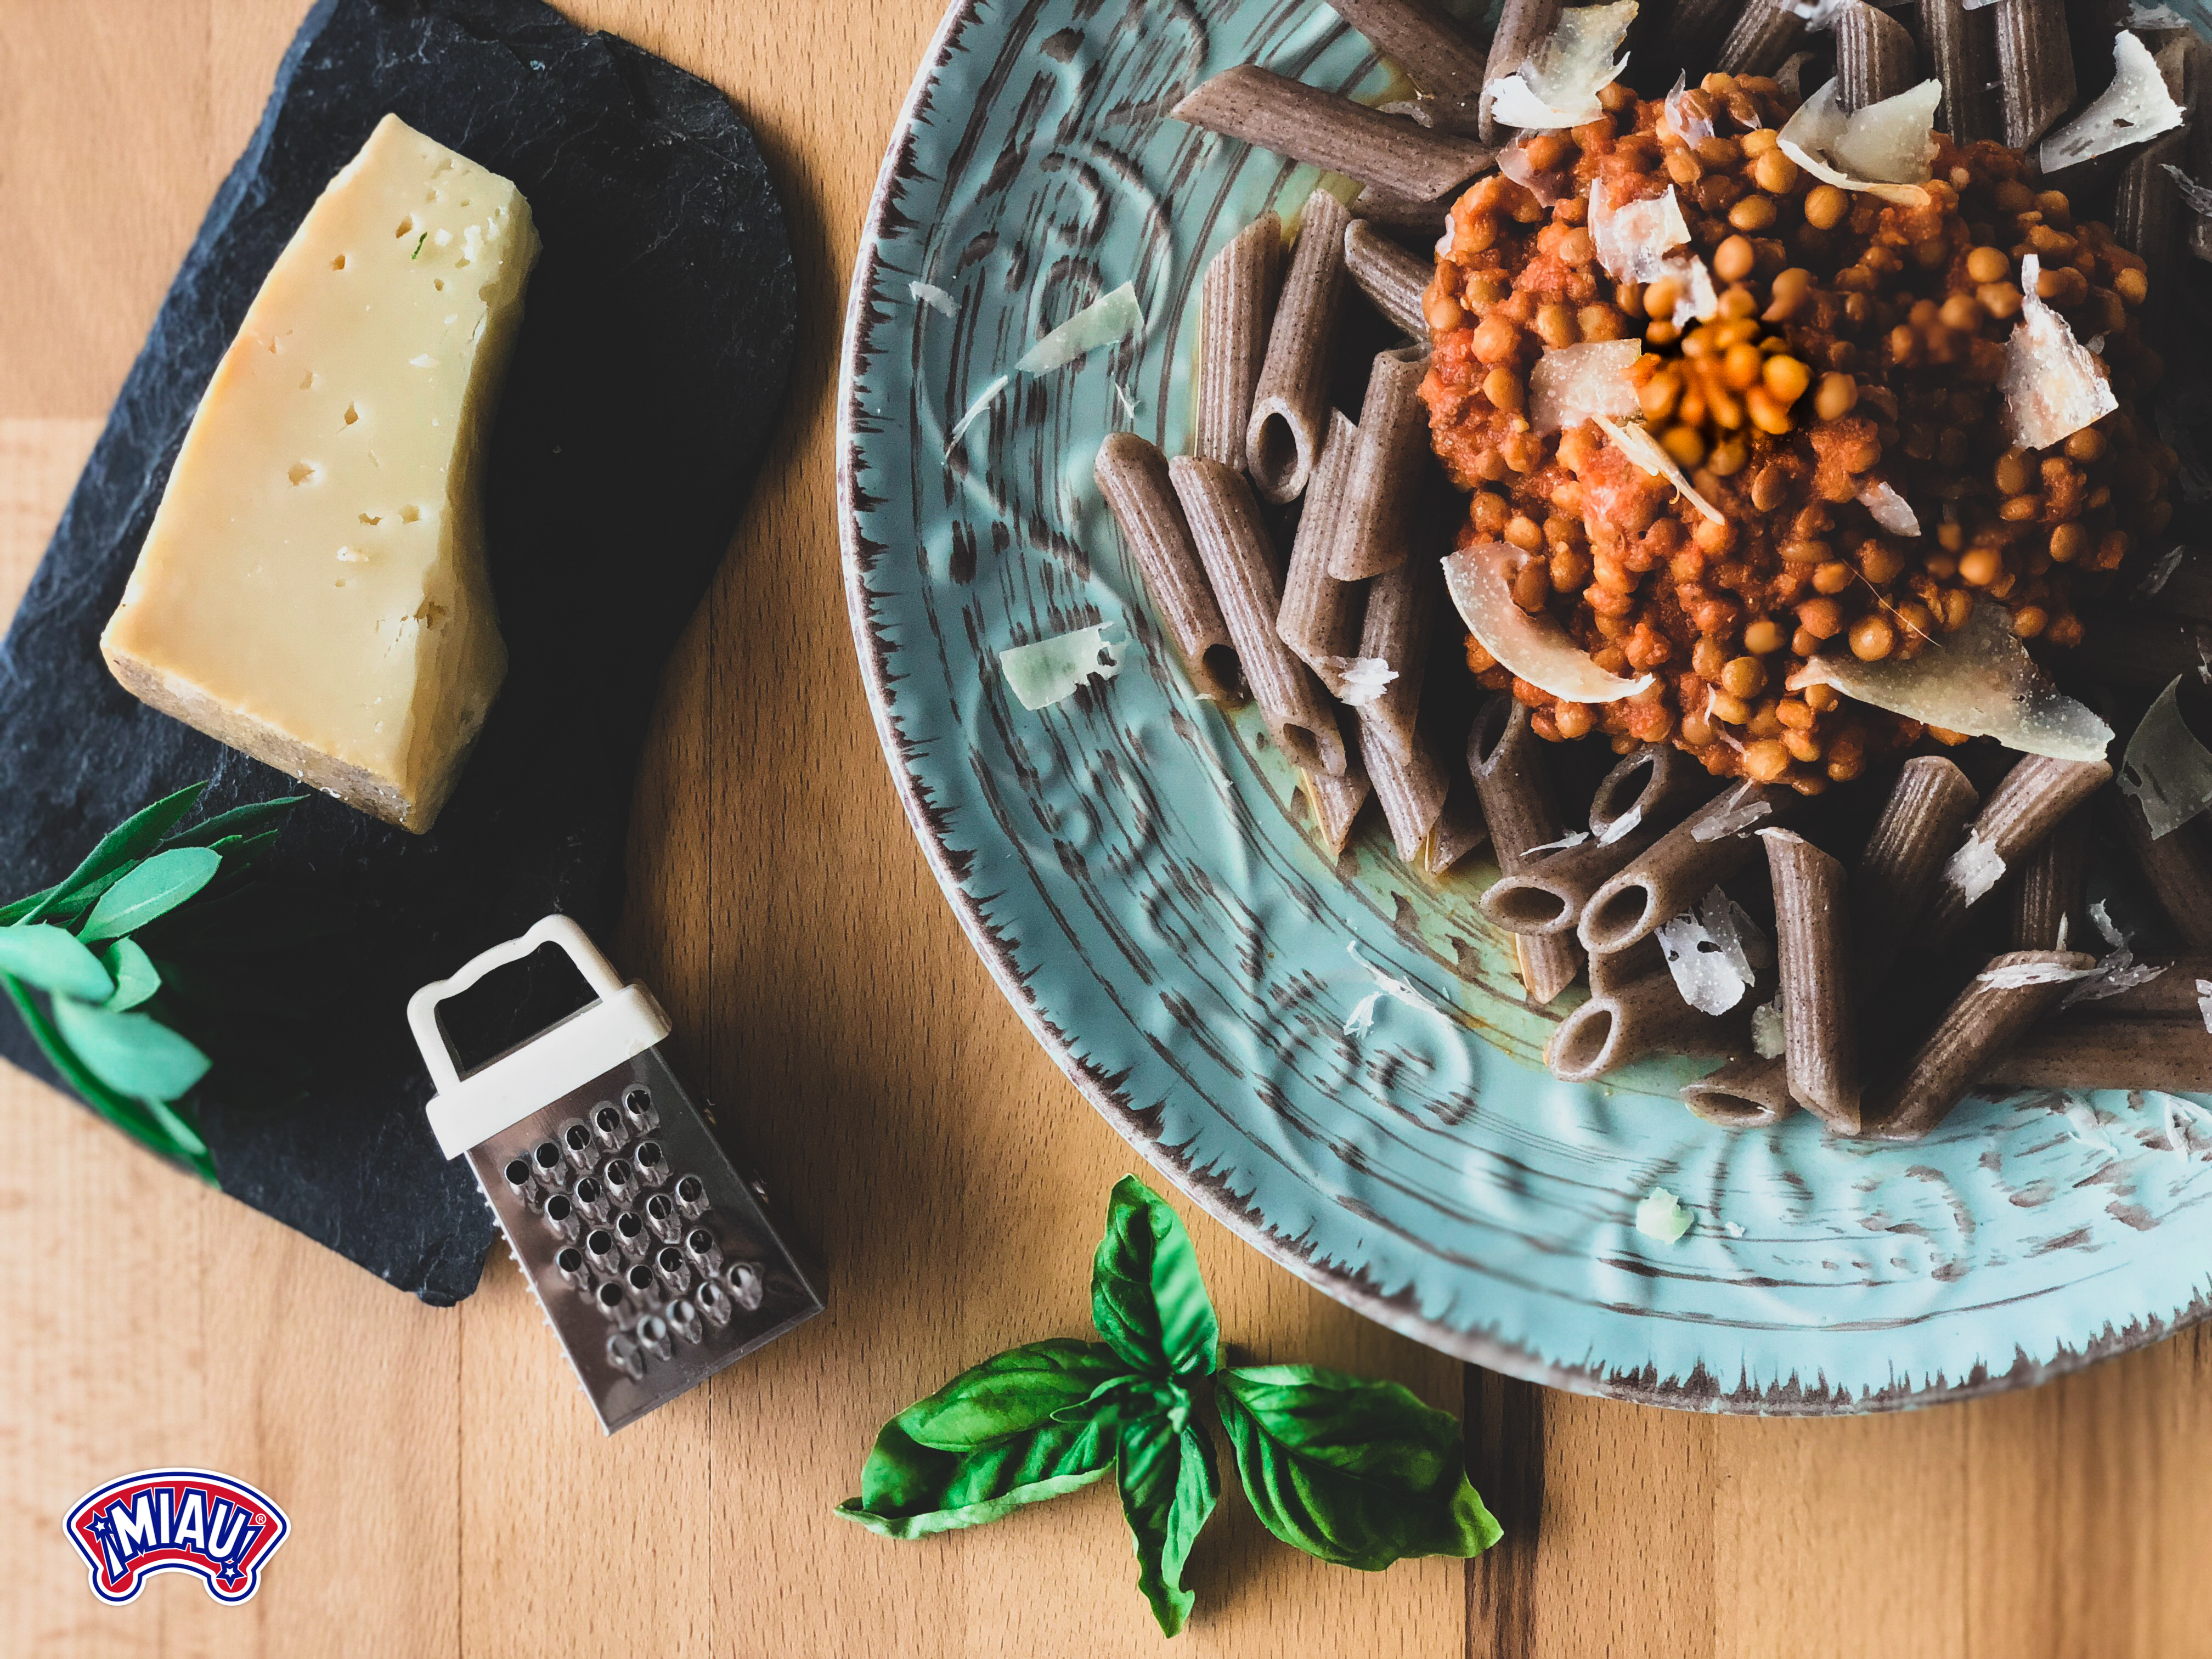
pixel 313 590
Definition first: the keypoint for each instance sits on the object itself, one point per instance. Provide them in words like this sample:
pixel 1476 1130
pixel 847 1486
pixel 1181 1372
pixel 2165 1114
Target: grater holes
pixel 602 1252
pixel 610 1301
pixel 673 1269
pixel 650 1161
pixel 684 1319
pixel 623 1355
pixel 576 1141
pixel 569 1264
pixel 746 1287
pixel 551 1170
pixel 641 1281
pixel 690 1197
pixel 608 1125
pixel 706 1254
pixel 653 1336
pixel 561 1215
pixel 620 1180
pixel 629 1233
pixel 714 1301
pixel 590 1197
pixel 637 1106
pixel 661 1215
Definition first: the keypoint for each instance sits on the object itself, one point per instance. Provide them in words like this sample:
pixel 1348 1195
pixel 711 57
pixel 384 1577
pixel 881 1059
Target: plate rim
pixel 1699 1391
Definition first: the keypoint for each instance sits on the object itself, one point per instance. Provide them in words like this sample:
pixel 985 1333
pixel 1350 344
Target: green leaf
pixel 136 976
pixel 1357 1472
pixel 987 1442
pixel 134 1055
pixel 237 821
pixel 1169 1488
pixel 1147 1298
pixel 49 958
pixel 133 1117
pixel 128 841
pixel 153 888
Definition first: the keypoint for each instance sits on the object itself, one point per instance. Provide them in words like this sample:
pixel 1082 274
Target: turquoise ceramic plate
pixel 1133 868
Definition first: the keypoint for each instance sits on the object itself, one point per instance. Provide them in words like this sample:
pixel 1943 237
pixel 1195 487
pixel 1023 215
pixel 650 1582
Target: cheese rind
pixel 313 590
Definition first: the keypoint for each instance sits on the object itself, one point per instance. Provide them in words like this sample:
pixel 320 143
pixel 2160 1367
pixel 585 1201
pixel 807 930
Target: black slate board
pixel 655 345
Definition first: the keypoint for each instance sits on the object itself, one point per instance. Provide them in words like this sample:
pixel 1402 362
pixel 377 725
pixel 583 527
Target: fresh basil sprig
pixel 1353 1471
pixel 130 1066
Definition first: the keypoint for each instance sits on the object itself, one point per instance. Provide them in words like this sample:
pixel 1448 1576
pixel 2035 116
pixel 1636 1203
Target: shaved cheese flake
pixel 1882 135
pixel 1546 187
pixel 2100 918
pixel 2051 386
pixel 2198 199
pixel 2081 1123
pixel 1362 679
pixel 1534 648
pixel 1766 1038
pixel 2167 768
pixel 1641 447
pixel 1390 985
pixel 1572 838
pixel 1557 86
pixel 1695 295
pixel 2204 1002
pixel 1575 382
pixel 1890 510
pixel 2155 579
pixel 1362 1018
pixel 2112 974
pixel 935 298
pixel 1686 124
pixel 1661 1216
pixel 1106 321
pixel 2173 1107
pixel 1634 240
pixel 2141 16
pixel 1708 951
pixel 1975 868
pixel 1734 1228
pixel 2135 106
pixel 1621 827
pixel 1050 670
pixel 1980 681
pixel 2017 976
pixel 983 401
pixel 1819 15
pixel 1738 815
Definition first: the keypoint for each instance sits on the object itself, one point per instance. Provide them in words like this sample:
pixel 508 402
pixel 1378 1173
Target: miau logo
pixel 180 1521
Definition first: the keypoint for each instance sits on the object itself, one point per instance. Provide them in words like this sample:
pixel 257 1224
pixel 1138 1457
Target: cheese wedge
pixel 313 589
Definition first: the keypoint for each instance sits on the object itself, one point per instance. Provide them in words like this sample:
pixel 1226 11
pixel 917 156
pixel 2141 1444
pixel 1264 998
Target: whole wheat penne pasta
pixel 1646 1017
pixel 2035 67
pixel 1507 759
pixel 1133 476
pixel 1547 965
pixel 2177 866
pixel 2094 1053
pixel 1961 44
pixel 1232 544
pixel 1692 30
pixel 1331 132
pixel 1402 607
pixel 1654 783
pixel 1875 56
pixel 1320 618
pixel 1411 783
pixel 2197 75
pixel 1336 801
pixel 2049 898
pixel 1983 1023
pixel 1745 1094
pixel 1436 53
pixel 1521 26
pixel 1393 279
pixel 1424 216
pixel 2171 993
pixel 1617 970
pixel 1289 405
pixel 1386 467
pixel 2141 650
pixel 1928 806
pixel 2147 214
pixel 1812 942
pixel 1681 867
pixel 1235 304
pixel 1644 794
pixel 2021 812
pixel 1764 34
pixel 1459 829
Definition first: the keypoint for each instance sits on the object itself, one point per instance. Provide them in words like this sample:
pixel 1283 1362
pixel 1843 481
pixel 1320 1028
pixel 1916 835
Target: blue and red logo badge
pixel 177 1520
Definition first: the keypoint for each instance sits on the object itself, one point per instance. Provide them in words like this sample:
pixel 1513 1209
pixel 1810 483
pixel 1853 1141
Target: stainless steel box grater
pixel 655 1259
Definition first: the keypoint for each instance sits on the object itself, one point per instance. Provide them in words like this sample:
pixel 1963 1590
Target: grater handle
pixel 422 1007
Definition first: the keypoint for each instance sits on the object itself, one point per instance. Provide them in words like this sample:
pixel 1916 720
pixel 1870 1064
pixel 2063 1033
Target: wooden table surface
pixel 448 1491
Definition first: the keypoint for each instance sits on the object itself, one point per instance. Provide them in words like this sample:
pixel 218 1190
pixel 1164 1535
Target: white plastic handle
pixel 422 1007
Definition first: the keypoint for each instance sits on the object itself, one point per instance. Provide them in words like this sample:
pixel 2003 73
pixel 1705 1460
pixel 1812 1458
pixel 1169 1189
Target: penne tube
pixel 1235 304
pixel 1402 607
pixel 1331 132
pixel 1961 43
pixel 2147 214
pixel 1421 217
pixel 1875 56
pixel 2171 993
pixel 1233 546
pixel 1133 476
pixel 1926 814
pixel 1984 1024
pixel 1379 497
pixel 1745 1094
pixel 1459 829
pixel 1812 943
pixel 1646 1017
pixel 1320 618
pixel 2049 899
pixel 2178 868
pixel 1436 53
pixel 1547 966
pixel 1335 801
pixel 1504 757
pixel 1411 784
pixel 2035 67
pixel 1647 790
pixel 1766 33
pixel 1393 279
pixel 1617 969
pixel 2097 1053
pixel 2019 812
pixel 1680 868
pixel 1654 785
pixel 1521 26
pixel 1289 421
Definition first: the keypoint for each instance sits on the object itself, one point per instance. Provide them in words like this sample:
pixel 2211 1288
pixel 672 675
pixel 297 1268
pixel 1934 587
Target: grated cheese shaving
pixel 1621 827
pixel 2112 974
pixel 1546 187
pixel 2100 918
pixel 1569 384
pixel 1362 1018
pixel 1975 868
pixel 2167 769
pixel 1106 321
pixel 935 298
pixel 1690 128
pixel 1048 671
pixel 1362 679
pixel 1890 142
pixel 2198 199
pixel 2135 106
pixel 2081 1122
pixel 1740 814
pixel 1572 838
pixel 1708 951
pixel 1734 1228
pixel 2052 388
pixel 1641 447
pixel 1634 241
pixel 983 401
pixel 1557 86
pixel 2017 976
pixel 1661 1216
pixel 1766 1039
pixel 1889 509
pixel 2204 1002
pixel 2155 579
pixel 1535 648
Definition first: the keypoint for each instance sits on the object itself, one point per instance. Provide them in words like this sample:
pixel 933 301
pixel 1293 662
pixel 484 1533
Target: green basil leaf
pixel 127 843
pixel 237 821
pixel 136 976
pixel 133 1117
pixel 49 958
pixel 1357 1472
pixel 1147 1298
pixel 153 888
pixel 992 1443
pixel 134 1055
pixel 1169 1488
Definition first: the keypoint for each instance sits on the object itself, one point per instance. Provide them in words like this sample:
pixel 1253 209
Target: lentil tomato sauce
pixel 1857 342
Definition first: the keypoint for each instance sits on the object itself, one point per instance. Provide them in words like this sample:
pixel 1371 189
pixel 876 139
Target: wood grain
pixel 448 1493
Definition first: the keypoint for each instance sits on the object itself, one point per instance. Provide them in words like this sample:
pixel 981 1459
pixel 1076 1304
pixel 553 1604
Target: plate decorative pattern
pixel 1133 866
